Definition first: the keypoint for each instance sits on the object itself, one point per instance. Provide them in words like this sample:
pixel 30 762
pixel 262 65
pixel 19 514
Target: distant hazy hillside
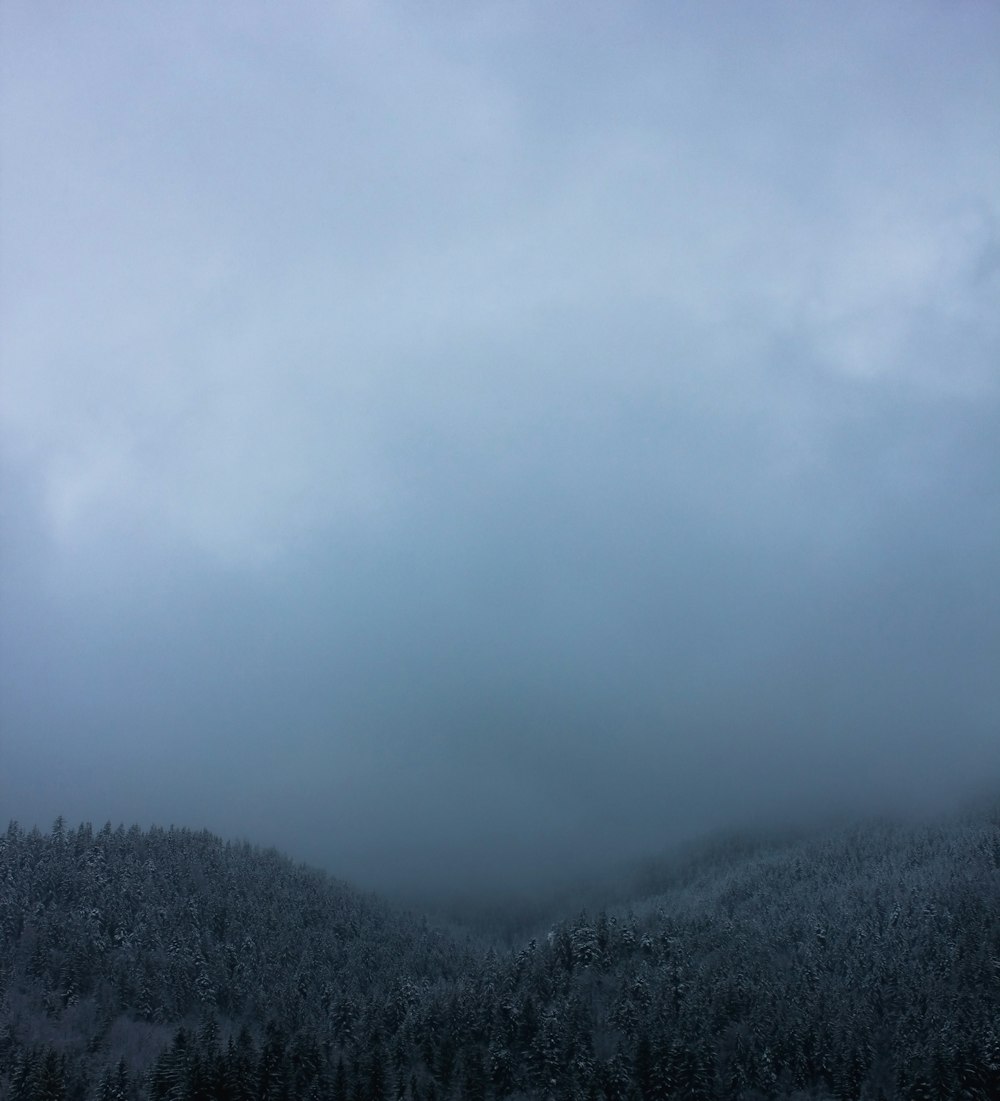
pixel 171 965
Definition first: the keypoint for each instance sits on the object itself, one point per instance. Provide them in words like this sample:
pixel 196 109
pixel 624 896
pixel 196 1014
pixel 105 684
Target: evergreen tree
pixel 340 1089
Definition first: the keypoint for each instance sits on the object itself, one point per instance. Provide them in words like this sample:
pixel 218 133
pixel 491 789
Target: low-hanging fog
pixel 458 443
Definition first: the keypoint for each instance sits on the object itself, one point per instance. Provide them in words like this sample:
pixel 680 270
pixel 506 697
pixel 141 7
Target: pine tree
pixel 340 1091
pixel 50 1084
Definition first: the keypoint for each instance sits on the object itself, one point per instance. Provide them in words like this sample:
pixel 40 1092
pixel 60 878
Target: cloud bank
pixel 467 441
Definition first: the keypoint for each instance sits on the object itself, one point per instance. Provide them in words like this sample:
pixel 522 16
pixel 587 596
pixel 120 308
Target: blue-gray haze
pixel 459 441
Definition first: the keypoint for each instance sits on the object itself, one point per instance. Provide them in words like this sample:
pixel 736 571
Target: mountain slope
pixel 861 964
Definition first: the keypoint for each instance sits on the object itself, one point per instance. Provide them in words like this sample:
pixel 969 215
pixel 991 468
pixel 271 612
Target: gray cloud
pixel 464 443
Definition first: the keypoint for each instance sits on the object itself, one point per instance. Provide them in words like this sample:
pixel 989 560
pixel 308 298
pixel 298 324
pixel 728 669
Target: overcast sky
pixel 454 441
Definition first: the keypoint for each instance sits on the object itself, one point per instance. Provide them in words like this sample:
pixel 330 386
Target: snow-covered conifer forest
pixel 862 963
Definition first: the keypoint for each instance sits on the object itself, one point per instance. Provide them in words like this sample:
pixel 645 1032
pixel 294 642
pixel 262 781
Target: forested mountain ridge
pixel 169 964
